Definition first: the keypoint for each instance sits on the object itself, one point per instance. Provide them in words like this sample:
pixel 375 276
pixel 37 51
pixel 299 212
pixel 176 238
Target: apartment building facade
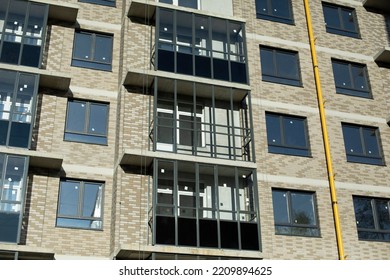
pixel 175 129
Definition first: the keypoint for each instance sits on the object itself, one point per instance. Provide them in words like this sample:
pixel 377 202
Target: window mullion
pixel 289 207
pixel 363 143
pixel 282 132
pixel 93 47
pixel 80 204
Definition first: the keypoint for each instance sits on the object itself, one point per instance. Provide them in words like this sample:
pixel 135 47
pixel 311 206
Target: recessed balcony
pixel 378 5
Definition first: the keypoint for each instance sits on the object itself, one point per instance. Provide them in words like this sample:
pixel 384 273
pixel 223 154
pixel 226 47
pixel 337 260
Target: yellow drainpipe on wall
pixel 325 136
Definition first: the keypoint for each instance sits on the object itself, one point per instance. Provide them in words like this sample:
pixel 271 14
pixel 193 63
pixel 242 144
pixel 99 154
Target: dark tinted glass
pixel 69 198
pixel 76 116
pixel 302 209
pixel 83 46
pixel 294 131
pixel 19 135
pixel 363 213
pixel 92 197
pixel 188 3
pixel 279 200
pixel 352 140
pixel 275 10
pixel 383 212
pixel 371 142
pixel 9 225
pixel 103 49
pixel 98 119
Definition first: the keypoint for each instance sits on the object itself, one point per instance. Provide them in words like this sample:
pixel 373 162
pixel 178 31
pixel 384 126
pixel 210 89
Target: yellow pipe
pixel 325 136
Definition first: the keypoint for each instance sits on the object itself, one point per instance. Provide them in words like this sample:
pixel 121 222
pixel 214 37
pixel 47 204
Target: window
pixel 212 122
pixel 86 122
pixel 362 144
pixel 340 20
pixel 203 46
pixel 280 66
pixel 287 135
pixel 295 213
pixel 275 10
pixel 22 30
pixel 18 93
pixel 110 3
pixel 351 78
pixel 80 204
pixel 183 3
pixel 372 218
pixel 92 50
pixel 204 205
pixel 13 171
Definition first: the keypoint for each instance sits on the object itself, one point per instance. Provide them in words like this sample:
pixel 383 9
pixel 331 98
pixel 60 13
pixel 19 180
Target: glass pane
pixel 219 36
pixel 279 201
pixel 13 186
pixel 36 20
pixel 16 17
pixel 7 84
pixel 24 99
pixel 166 26
pixel 208 191
pixel 69 198
pixel 92 200
pixel 20 134
pixel 165 184
pixel 267 62
pixel 188 3
pixel 165 128
pixel 352 140
pixel 273 129
pixel 76 116
pixel 82 46
pixel 103 49
pixel 294 132
pixel 236 39
pixel 287 65
pixel 3 10
pixel 98 119
pixel 262 6
pixel 281 8
pixel 202 42
pixel 359 76
pixel 371 141
pixel 186 130
pixel 302 206
pixel 383 213
pixel 341 74
pixel 9 227
pixel 363 213
pixel 332 18
pixel 227 193
pixel 348 19
pixel 184 32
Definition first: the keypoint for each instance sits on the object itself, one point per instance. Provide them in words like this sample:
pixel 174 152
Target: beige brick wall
pixel 127 194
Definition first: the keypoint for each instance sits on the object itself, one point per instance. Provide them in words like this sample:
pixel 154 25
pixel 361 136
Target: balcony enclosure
pixel 18 93
pixel 13 171
pixel 201 120
pixel 22 29
pixel 201 46
pixel 203 205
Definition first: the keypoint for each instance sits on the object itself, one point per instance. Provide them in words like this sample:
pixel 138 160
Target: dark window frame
pixel 178 50
pixel 92 63
pixel 365 156
pixel 18 120
pixel 341 30
pixel 284 148
pixel 17 202
pixel 85 136
pixel 25 39
pixel 353 90
pixel 108 3
pixel 373 233
pixel 79 217
pixel 296 229
pixel 276 77
pixel 269 15
pixel 224 220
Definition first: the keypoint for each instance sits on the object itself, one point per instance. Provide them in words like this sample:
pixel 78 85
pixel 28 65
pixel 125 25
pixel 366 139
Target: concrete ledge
pixel 138 157
pixel 383 56
pixel 379 5
pixel 37 158
pixel 61 11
